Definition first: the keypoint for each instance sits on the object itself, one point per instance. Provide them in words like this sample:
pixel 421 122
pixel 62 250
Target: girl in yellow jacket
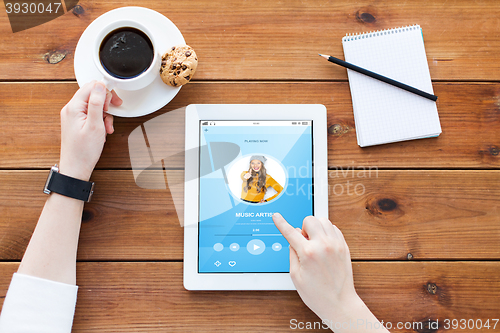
pixel 256 181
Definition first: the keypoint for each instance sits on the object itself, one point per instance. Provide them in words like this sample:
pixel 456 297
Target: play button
pixel 256 246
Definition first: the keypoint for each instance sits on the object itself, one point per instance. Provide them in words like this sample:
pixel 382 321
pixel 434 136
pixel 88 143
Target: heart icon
pixel 232 263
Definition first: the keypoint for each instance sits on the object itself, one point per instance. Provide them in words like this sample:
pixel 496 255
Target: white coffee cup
pixel 135 83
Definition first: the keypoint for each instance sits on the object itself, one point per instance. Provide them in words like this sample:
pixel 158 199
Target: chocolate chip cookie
pixel 178 65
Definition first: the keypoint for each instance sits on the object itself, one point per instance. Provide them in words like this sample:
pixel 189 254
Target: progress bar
pixel 252 235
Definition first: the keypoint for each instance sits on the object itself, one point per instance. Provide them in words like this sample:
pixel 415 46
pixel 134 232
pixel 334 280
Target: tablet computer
pixel 242 164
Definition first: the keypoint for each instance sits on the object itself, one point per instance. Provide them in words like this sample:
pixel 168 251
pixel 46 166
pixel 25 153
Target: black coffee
pixel 126 53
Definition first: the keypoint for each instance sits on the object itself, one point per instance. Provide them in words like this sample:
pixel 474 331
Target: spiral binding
pixel 366 35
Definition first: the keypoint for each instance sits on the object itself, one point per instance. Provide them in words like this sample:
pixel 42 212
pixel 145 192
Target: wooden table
pixel 424 235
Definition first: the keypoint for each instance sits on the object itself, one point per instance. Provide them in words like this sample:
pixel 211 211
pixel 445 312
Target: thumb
pixel 96 104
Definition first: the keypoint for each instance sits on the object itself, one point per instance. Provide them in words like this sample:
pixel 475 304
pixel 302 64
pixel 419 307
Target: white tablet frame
pixel 196 112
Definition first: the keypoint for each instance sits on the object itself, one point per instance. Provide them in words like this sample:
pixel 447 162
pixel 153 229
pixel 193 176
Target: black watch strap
pixel 68 186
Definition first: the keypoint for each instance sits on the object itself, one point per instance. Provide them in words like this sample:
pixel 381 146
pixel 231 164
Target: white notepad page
pixel 384 113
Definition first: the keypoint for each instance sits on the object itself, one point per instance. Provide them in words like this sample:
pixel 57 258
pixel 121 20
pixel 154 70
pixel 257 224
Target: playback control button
pixel 256 246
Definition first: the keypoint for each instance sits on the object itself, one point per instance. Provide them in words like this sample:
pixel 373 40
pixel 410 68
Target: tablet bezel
pixel 197 112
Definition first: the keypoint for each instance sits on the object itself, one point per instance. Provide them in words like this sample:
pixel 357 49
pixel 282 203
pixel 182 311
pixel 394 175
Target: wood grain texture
pixel 384 215
pixel 273 40
pixel 469 114
pixel 149 297
pixel 396 222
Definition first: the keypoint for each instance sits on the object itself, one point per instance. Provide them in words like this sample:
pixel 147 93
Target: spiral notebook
pixel 384 113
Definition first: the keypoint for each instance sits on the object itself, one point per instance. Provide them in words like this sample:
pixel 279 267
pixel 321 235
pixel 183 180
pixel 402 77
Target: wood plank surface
pixel 149 297
pixel 384 215
pixel 273 40
pixel 469 114
pixel 400 206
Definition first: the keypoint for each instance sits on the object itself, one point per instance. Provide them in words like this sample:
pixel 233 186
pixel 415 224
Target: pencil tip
pixel 322 55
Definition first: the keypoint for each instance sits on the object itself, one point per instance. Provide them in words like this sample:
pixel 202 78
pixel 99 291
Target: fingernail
pixel 276 215
pixel 99 88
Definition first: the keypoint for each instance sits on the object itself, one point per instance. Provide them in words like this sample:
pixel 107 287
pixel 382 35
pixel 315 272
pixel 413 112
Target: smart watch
pixel 68 186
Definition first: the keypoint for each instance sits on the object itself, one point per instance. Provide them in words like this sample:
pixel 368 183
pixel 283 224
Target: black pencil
pixel 380 77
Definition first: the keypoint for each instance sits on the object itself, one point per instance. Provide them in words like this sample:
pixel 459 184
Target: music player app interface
pixel 272 171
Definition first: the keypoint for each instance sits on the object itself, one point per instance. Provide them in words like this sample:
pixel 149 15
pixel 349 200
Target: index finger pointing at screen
pixel 292 235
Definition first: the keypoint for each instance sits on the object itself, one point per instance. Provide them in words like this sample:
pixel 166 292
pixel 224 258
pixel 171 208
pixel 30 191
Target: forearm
pixel 354 317
pixel 51 252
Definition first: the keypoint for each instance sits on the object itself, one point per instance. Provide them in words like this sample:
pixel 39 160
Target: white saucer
pixel 139 102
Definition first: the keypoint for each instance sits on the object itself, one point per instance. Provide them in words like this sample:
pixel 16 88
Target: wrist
pixel 345 311
pixel 353 316
pixel 75 171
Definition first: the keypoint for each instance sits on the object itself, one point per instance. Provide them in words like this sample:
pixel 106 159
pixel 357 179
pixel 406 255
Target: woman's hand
pixel 247 175
pixel 320 267
pixel 84 125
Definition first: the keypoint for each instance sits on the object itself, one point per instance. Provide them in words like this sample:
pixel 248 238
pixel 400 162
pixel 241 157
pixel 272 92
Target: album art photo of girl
pixel 256 181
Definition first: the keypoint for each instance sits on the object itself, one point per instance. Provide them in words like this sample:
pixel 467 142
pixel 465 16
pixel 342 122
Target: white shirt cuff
pixel 38 305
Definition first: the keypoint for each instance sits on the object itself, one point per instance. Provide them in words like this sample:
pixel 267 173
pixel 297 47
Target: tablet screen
pixel 273 172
